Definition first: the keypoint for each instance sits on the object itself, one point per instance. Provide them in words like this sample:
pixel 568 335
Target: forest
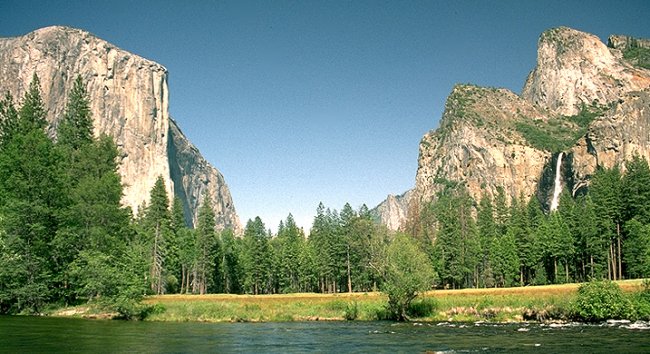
pixel 66 239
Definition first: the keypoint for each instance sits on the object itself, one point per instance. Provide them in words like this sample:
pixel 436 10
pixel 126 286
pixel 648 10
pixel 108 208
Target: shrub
pixel 128 309
pixel 351 311
pixel 641 302
pixel 408 273
pixel 422 308
pixel 598 301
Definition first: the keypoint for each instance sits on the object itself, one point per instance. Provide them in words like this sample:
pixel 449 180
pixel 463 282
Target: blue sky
pixel 298 102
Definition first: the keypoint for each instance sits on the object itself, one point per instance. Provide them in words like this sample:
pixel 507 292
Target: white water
pixel 557 187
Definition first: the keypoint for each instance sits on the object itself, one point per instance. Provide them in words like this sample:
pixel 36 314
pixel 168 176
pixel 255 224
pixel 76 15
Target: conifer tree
pixel 231 271
pixel 8 119
pixel 76 128
pixel 30 191
pixel 158 228
pixel 255 257
pixel 207 246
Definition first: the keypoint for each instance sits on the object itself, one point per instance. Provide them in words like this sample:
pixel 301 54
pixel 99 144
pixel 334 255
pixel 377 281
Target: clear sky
pixel 298 102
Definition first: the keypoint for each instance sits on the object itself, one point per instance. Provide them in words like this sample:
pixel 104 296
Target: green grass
pixel 638 56
pixel 548 302
pixel 558 134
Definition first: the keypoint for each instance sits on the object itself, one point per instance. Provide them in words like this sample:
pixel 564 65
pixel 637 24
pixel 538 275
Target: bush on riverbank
pixel 599 301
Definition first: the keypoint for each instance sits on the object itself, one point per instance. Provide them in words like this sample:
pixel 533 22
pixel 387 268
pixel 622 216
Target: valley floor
pixel 538 303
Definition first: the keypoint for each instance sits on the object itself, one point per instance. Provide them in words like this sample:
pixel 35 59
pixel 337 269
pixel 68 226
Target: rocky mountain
pixel 392 212
pixel 585 104
pixel 129 100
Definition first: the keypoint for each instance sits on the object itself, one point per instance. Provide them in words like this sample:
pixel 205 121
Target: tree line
pixel 601 234
pixel 66 239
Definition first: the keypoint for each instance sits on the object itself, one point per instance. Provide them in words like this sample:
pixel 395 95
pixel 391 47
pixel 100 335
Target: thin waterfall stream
pixel 557 186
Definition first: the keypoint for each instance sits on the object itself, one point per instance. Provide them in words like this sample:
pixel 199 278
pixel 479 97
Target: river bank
pixel 518 304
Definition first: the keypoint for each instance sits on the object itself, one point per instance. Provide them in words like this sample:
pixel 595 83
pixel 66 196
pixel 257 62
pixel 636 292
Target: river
pixel 48 335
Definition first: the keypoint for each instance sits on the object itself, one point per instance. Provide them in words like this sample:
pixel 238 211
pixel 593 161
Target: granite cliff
pixel 584 104
pixel 129 100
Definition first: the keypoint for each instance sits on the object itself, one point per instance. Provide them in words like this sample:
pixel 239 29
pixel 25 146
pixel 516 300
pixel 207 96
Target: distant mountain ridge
pixel 129 100
pixel 585 104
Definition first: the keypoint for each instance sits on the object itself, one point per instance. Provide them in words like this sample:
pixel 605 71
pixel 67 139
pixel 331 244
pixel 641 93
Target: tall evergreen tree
pixel 207 243
pixel 30 190
pixel 8 119
pixel 76 128
pixel 158 227
pixel 231 264
pixel 487 231
pixel 635 190
pixel 605 191
pixel 456 245
pixel 255 257
pixel 290 241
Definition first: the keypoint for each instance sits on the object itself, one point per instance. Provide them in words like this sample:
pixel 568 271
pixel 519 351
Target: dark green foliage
pixel 635 189
pixel 599 301
pixel 76 128
pixel 637 55
pixel 641 301
pixel 408 273
pixel 231 263
pixel 423 307
pixel 351 311
pixel 558 134
pixel 30 196
pixel 637 249
pixel 156 225
pixel 256 258
pixel 456 246
pixel 208 248
pixel 8 119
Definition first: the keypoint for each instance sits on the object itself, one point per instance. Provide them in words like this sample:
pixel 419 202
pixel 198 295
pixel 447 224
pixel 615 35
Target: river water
pixel 47 335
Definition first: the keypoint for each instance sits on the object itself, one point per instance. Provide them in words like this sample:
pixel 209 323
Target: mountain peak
pixel 575 68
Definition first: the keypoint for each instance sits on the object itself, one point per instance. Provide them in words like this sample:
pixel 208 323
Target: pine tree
pixel 76 128
pixel 637 249
pixel 487 231
pixel 255 257
pixel 207 247
pixel 457 243
pixel 605 191
pixel 231 264
pixel 158 228
pixel 290 241
pixel 8 120
pixel 635 190
pixel 30 191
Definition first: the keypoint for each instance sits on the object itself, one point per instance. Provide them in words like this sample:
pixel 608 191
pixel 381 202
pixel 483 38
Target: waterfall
pixel 557 187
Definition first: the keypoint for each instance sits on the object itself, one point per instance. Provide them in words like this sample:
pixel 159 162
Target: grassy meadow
pixel 550 302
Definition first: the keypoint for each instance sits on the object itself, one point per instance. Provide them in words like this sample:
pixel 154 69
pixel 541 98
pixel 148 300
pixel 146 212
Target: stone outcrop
pixel 484 140
pixel 392 212
pixel 477 144
pixel 129 100
pixel 622 132
pixel 576 68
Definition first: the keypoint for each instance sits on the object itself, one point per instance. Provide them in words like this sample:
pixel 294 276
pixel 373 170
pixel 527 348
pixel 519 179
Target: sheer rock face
pixel 392 212
pixel 576 68
pixel 622 132
pixel 129 100
pixel 193 176
pixel 478 143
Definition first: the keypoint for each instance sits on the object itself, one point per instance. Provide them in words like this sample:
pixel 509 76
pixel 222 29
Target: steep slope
pixel 129 100
pixel 393 211
pixel 576 68
pixel 585 104
pixel 478 144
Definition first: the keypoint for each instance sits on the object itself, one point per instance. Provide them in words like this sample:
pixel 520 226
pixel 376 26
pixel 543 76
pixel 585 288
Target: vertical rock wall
pixel 129 100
